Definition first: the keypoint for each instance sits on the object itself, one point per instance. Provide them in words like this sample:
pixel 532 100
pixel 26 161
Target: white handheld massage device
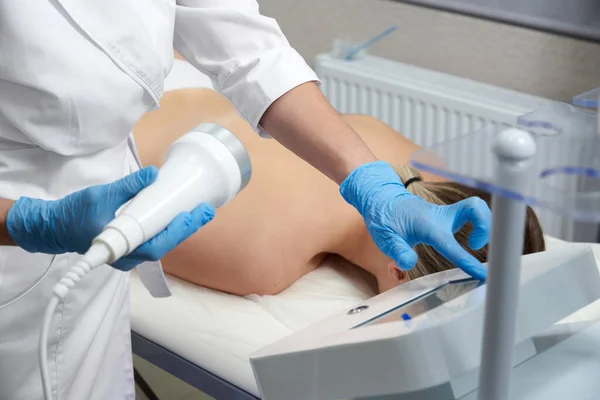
pixel 207 165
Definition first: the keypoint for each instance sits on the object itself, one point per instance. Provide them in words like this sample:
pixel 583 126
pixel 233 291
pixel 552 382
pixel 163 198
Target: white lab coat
pixel 75 76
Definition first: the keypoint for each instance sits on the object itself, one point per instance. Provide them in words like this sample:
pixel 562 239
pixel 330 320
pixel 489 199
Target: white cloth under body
pixel 75 76
pixel 219 332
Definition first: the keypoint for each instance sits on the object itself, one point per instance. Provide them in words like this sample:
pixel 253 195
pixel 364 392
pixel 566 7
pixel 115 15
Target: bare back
pixel 287 219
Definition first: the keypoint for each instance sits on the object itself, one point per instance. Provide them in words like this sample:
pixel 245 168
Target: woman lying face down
pixel 290 216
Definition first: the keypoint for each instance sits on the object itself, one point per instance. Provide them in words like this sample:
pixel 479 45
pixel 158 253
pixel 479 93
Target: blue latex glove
pixel 68 225
pixel 398 220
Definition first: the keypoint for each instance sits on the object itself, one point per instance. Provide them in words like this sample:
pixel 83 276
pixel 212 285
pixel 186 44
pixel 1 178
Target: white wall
pixel 539 63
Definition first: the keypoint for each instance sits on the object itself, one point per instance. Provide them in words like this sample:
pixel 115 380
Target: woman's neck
pixel 358 248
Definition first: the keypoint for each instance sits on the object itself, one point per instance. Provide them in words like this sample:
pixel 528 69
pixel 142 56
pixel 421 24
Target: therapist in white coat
pixel 75 76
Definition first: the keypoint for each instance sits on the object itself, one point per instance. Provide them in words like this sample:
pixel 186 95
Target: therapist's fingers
pixel 445 244
pixel 127 263
pixel 398 250
pixel 182 227
pixel 124 189
pixel 156 248
pixel 477 212
pixel 201 216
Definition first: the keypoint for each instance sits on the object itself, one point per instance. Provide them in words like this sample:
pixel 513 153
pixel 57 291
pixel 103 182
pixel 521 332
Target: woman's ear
pixel 396 273
pixel 390 277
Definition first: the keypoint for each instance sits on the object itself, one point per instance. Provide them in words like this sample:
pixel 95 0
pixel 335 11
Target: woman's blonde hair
pixel 444 193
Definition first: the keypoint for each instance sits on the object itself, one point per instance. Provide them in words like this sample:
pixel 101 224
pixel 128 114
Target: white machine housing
pixel 433 355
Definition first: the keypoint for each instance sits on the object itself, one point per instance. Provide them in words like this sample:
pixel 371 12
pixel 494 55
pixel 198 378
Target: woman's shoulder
pixel 383 140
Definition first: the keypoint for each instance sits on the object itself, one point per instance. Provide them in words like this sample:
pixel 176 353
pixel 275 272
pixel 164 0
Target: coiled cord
pixel 97 255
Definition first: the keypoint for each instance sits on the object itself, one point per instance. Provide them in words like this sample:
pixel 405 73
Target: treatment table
pixel 205 337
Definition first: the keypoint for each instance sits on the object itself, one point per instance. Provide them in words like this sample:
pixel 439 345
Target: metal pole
pixel 514 150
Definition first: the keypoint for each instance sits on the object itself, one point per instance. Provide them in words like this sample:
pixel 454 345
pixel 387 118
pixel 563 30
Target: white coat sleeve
pixel 245 54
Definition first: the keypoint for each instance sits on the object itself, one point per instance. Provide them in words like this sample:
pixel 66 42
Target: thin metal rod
pixel 144 386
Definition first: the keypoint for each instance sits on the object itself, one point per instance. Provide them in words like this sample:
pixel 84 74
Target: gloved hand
pixel 398 220
pixel 68 225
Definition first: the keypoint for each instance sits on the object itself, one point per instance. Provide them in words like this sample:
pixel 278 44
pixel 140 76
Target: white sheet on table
pixel 218 331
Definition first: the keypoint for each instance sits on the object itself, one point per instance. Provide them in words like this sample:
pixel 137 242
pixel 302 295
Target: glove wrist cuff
pixel 17 223
pixel 25 224
pixel 366 181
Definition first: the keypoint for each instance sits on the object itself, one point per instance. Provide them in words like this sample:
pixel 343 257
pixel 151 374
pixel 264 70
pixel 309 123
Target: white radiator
pixel 427 106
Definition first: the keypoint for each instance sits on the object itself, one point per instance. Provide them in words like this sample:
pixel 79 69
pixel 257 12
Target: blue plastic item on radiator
pixel 588 99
